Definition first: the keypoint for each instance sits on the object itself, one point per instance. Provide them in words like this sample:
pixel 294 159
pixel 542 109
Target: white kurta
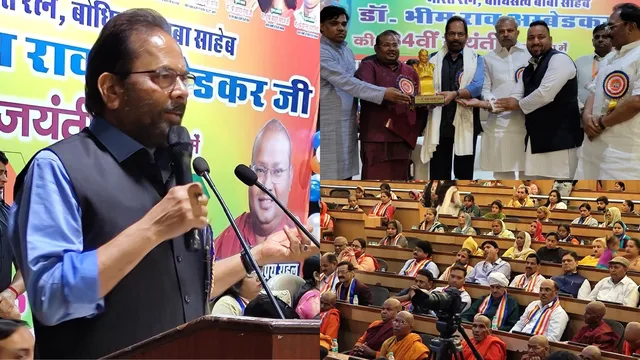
pixel 559 164
pixel 586 65
pixel 502 146
pixel 614 154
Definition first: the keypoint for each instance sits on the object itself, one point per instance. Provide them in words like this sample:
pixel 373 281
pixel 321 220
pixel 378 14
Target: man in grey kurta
pixel 338 88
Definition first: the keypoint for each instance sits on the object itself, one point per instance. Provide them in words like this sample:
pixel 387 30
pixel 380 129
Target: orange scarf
pixel 381 209
pixel 543 321
pixel 531 285
pixel 394 242
pixel 325 220
pixel 501 313
pixel 329 285
pixel 447 272
pixel 413 269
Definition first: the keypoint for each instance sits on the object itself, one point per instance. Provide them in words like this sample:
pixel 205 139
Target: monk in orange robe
pixel 631 344
pixel 329 319
pixel 369 344
pixel 326 221
pixel 489 346
pixel 404 344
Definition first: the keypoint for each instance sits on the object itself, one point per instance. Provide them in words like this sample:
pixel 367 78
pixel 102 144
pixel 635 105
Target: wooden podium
pixel 231 337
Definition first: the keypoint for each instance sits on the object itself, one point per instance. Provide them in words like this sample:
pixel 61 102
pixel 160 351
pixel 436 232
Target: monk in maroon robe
pixel 388 132
pixel 595 331
pixel 369 344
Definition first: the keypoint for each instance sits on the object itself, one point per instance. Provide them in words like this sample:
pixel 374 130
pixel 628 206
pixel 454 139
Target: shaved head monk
pixel 537 348
pixel 591 352
pixel 489 346
pixel 271 161
pixel 329 319
pixel 404 344
pixel 370 343
pixel 631 344
pixel 595 331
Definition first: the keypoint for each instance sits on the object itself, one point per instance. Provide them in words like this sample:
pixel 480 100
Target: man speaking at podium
pixel 98 226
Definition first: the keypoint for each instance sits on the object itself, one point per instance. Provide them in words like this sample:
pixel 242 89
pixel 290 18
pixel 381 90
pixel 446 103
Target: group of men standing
pixel 548 116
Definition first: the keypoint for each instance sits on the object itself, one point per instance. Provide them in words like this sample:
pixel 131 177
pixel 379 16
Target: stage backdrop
pixel 251 67
pixel 421 22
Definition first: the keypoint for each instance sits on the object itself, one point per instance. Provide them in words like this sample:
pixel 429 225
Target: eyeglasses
pixel 609 27
pixel 278 175
pixel 166 78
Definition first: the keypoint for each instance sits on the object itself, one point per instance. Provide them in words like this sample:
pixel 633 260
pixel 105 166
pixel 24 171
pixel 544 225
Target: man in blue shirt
pixel 12 287
pixel 97 223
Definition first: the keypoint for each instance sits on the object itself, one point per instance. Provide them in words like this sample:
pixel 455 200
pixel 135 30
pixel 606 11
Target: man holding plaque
pixel 548 96
pixel 611 115
pixel 452 129
pixel 388 131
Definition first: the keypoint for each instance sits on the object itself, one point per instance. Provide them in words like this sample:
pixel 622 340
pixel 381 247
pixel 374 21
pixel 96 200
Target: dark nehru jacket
pixel 555 126
pixel 115 187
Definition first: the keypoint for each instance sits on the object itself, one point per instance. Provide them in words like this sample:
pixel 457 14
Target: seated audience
pixel 521 198
pixel 632 253
pixel 554 201
pixel 456 280
pixel 423 282
pixel 234 300
pixel 595 331
pixel 430 222
pixel 489 346
pixel 591 352
pixel 620 231
pixel 462 259
pixel 339 244
pixel 328 277
pixel 492 263
pixel 464 225
pixel 384 208
pixel 618 287
pixel 500 230
pixel 360 193
pixel 598 245
pixel 348 287
pixel 627 206
pixel 529 281
pixel 369 344
pixel 611 215
pixel 387 187
pixel 404 344
pixel 545 316
pixel 609 253
pixel 521 247
pixel 326 221
pixel 472 245
pixel 543 214
pixel 619 186
pixel 533 188
pixel 602 203
pixel 585 216
pixel 329 320
pixel 496 211
pixel 631 345
pixel 306 301
pixel 422 254
pixel 551 252
pixel 499 306
pixel 470 207
pixel 537 348
pixel 353 204
pixel 535 230
pixel 394 235
pixel 564 231
pixel 572 283
pixel 448 202
pixel 356 254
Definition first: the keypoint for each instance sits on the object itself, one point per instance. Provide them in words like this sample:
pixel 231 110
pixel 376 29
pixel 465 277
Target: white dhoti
pixel 559 164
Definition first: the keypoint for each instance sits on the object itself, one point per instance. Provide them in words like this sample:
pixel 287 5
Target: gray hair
pixel 506 18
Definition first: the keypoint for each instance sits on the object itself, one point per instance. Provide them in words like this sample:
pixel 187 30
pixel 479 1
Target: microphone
pixel 249 178
pixel 202 169
pixel 180 150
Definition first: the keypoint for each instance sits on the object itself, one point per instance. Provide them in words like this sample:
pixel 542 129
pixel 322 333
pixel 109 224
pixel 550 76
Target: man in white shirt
pixel 529 281
pixel 611 116
pixel 545 316
pixel 588 65
pixel 548 96
pixel 502 149
pixel 585 216
pixel 456 280
pixel 618 287
pixel 482 270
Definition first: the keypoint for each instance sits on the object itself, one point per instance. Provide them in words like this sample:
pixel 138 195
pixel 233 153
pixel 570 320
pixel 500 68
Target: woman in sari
pixel 357 256
pixel 611 215
pixel 496 211
pixel 394 235
pixel 620 231
pixel 472 245
pixel 598 246
pixel 633 254
pixel 430 222
pixel 535 230
pixel 500 230
pixel 521 247
pixel 464 225
pixel 326 221
pixel 384 208
pixel 543 214
pixel 554 201
pixel 564 230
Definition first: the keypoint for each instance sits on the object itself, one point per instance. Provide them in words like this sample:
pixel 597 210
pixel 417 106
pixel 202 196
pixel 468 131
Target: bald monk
pixel 329 319
pixel 591 352
pixel 271 161
pixel 370 343
pixel 595 331
pixel 404 344
pixel 537 348
pixel 489 346
pixel 631 344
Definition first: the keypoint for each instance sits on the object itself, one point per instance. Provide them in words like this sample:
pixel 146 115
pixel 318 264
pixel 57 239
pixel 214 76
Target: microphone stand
pixel 289 214
pixel 244 244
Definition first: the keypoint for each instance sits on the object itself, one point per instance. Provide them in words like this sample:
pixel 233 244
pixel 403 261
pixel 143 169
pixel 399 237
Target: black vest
pixel 555 126
pixel 166 289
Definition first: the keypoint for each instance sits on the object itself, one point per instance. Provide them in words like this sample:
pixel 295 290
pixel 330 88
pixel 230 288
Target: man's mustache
pixel 177 108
